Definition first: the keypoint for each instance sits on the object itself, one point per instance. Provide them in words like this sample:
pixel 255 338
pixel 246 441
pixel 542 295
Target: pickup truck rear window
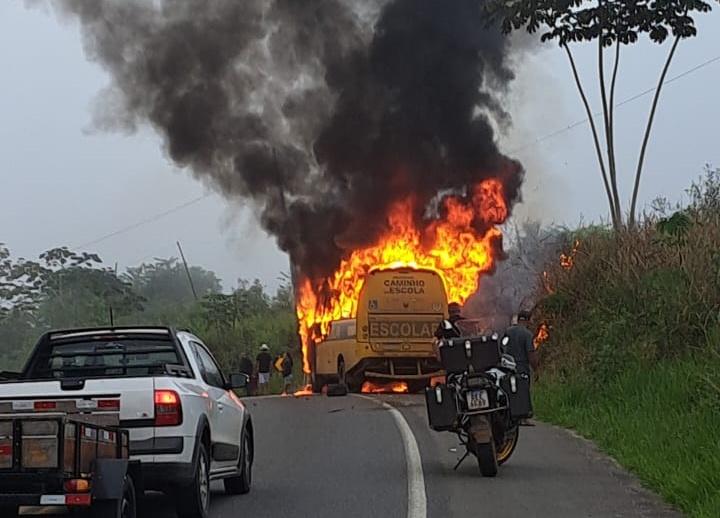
pixel 119 357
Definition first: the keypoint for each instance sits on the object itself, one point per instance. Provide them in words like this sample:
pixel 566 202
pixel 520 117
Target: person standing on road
pixel 264 364
pixel 287 367
pixel 520 346
pixel 246 367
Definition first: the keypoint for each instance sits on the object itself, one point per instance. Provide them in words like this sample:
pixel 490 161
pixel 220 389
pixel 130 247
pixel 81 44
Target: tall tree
pixel 610 24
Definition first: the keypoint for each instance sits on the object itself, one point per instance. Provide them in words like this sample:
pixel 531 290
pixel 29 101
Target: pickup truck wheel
pixel 126 507
pixel 240 485
pixel 193 501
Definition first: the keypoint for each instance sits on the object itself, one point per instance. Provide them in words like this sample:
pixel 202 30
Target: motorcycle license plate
pixel 477 399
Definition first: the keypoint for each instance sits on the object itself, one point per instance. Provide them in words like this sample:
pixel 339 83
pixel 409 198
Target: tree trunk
pixel 596 139
pixel 648 128
pixel 610 146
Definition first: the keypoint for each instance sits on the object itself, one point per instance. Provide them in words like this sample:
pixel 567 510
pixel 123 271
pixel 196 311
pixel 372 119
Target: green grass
pixel 661 422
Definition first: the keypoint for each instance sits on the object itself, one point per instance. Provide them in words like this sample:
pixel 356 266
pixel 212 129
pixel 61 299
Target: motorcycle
pixel 483 398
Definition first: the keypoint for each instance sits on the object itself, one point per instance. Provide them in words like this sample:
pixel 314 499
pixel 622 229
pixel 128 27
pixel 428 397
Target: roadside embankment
pixel 633 356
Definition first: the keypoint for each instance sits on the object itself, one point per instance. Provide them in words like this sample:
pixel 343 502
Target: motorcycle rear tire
pixel 507 449
pixel 487 459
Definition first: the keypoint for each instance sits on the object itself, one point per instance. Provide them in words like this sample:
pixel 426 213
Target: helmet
pixel 264 347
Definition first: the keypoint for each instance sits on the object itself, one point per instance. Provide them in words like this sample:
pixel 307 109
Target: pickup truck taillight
pixel 168 409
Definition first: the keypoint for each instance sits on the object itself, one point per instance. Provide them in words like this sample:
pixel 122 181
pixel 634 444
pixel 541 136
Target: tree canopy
pixel 608 23
pixel 63 288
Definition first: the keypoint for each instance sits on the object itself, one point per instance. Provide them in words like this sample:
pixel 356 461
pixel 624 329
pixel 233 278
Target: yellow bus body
pixel 391 338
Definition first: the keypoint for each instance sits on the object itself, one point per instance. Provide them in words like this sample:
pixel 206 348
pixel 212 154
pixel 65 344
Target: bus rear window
pixel 104 358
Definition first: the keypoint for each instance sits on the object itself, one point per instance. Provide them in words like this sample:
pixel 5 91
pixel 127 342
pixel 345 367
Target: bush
pixel 633 357
pixel 650 292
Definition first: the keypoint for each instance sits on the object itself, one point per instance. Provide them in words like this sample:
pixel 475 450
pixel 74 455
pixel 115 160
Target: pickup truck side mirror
pixel 238 381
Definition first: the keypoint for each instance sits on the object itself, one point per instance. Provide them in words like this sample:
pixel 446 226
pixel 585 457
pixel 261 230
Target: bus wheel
pixel 318 382
pixel 342 379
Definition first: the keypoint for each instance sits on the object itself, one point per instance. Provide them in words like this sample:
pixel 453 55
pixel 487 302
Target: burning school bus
pixel 391 337
pixel 375 315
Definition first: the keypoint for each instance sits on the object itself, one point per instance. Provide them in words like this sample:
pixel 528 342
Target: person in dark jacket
pixel 521 347
pixel 264 364
pixel 287 368
pixel 246 367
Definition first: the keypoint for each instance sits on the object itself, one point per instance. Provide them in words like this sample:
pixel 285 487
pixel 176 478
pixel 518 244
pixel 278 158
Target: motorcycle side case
pixel 442 408
pixel 458 354
pixel 519 400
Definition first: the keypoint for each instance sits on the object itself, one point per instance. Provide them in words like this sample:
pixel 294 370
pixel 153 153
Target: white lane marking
pixel 417 500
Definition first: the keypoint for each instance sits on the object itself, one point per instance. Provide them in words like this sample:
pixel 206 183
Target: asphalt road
pixel 321 457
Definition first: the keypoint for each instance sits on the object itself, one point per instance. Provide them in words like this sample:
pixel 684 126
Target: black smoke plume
pixel 321 113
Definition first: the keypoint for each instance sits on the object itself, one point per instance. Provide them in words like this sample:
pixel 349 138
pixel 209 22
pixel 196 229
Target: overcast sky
pixel 62 183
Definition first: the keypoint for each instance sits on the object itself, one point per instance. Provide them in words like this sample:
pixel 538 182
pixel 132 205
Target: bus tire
pixel 341 373
pixel 336 389
pixel 353 383
pixel 318 382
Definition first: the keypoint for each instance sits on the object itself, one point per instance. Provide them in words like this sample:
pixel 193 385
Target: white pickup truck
pixel 186 425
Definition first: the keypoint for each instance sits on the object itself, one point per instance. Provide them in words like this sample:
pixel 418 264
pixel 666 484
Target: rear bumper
pixel 157 446
pixel 166 462
pixel 398 368
pixel 161 475
pixel 45 500
pixel 30 483
pixel 32 488
pixel 18 499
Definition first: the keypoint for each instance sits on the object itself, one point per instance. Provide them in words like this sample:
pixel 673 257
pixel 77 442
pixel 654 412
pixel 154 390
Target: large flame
pixel 449 245
pixel 392 387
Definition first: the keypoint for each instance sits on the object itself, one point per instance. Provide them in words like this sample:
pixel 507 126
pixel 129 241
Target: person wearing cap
pixel 520 346
pixel 455 312
pixel 264 364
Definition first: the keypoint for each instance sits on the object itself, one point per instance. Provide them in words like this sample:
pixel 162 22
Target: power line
pixel 143 222
pixel 537 141
pixel 621 103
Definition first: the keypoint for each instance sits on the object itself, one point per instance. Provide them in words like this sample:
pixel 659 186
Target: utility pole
pixel 187 270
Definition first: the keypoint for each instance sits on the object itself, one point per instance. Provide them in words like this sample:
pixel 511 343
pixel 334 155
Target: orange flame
pixel 450 246
pixel 305 391
pixel 393 387
pixel 567 261
pixel 541 336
